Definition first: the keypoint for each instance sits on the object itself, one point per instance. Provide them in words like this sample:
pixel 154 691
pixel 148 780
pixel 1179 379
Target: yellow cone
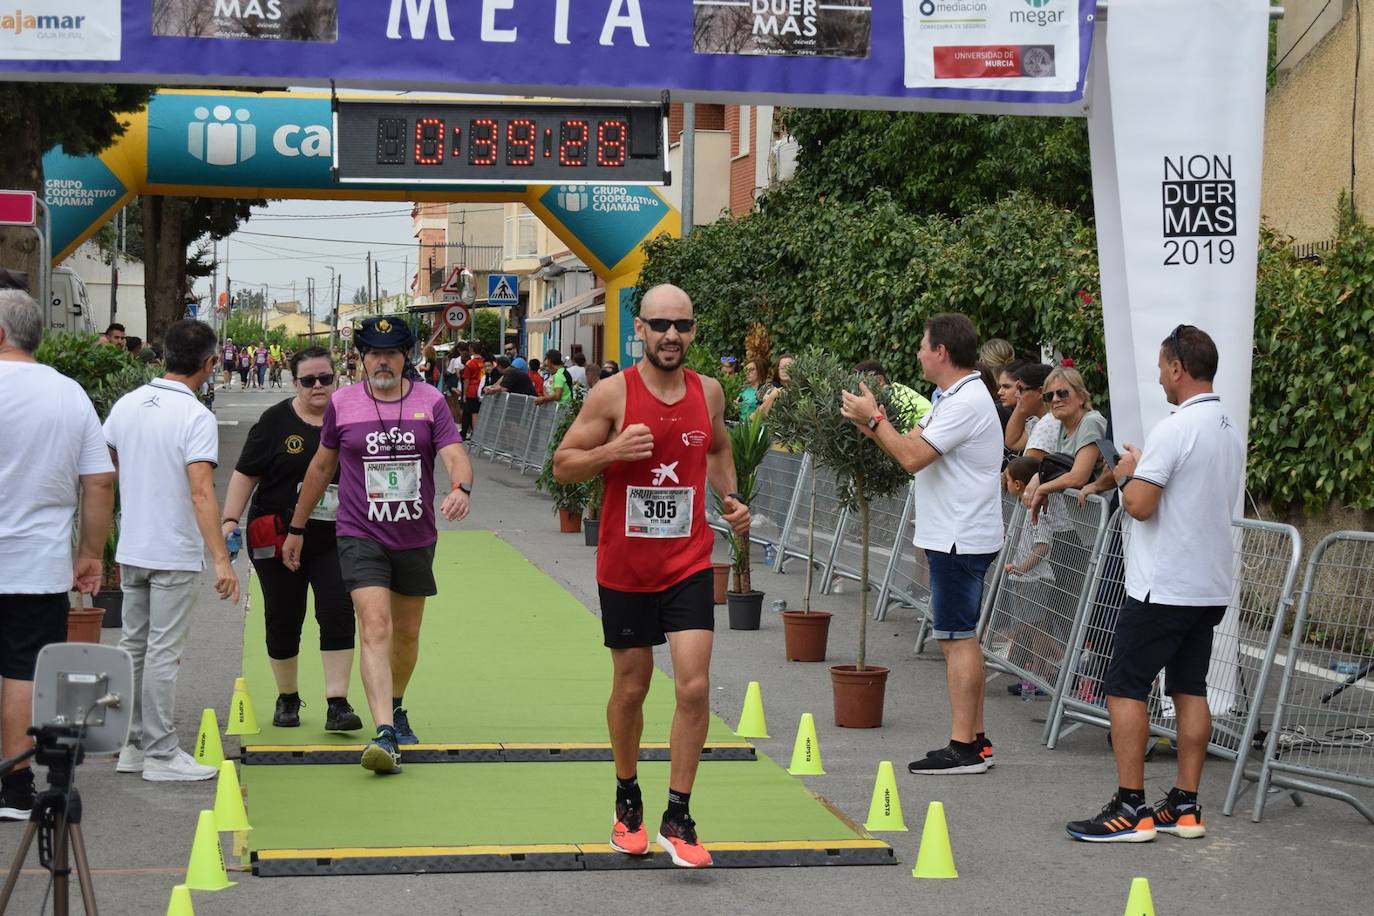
pixel 885 811
pixel 751 724
pixel 229 811
pixel 242 721
pixel 935 859
pixel 205 871
pixel 209 751
pixel 806 752
pixel 1140 903
pixel 180 902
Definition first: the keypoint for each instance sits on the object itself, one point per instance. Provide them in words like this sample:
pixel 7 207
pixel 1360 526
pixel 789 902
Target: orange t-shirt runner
pixel 653 516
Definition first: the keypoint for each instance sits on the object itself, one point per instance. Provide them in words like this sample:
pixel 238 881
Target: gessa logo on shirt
pixel 376 441
pixel 695 437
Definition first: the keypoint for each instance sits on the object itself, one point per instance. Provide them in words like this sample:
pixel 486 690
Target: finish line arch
pixel 280 144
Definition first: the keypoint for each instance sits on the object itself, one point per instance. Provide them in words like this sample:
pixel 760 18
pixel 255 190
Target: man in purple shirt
pixel 382 437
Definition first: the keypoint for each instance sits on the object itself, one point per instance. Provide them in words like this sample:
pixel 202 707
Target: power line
pixel 308 238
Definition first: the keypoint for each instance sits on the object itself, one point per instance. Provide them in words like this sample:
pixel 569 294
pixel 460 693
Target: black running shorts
pixel 632 620
pixel 27 624
pixel 1161 637
pixel 365 563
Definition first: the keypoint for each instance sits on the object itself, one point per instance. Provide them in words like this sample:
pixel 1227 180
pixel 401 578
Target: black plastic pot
pixel 112 603
pixel 591 527
pixel 746 609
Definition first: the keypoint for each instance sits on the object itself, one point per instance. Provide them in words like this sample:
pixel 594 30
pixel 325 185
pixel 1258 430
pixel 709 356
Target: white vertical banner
pixel 1177 135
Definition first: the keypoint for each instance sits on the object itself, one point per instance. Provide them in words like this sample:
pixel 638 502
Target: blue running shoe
pixel 404 734
pixel 381 755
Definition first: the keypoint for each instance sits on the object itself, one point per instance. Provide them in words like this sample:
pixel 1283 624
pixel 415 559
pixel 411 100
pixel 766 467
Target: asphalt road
pixel 1006 826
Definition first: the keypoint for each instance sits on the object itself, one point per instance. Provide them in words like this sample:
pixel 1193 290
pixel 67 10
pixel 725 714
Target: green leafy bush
pixel 106 373
pixel 574 497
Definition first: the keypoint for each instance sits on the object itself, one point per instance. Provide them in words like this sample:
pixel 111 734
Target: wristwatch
pixel 465 487
pixel 874 420
pixel 292 529
pixel 734 494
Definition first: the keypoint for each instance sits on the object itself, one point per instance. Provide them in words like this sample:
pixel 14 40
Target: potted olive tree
pixel 569 499
pixel 863 472
pixel 793 416
pixel 749 444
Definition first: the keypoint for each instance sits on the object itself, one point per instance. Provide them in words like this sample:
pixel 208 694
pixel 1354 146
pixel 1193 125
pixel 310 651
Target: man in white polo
pixel 956 454
pixel 1180 492
pixel 166 445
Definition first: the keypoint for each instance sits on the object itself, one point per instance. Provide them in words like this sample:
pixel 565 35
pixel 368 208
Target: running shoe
pixel 1179 817
pixel 1117 823
pixel 381 754
pixel 984 751
pixel 949 760
pixel 628 835
pixel 341 717
pixel 678 838
pixel 404 733
pixel 17 800
pixel 288 713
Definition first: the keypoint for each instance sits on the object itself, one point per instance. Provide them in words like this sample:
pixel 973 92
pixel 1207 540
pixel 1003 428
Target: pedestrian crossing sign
pixel 503 289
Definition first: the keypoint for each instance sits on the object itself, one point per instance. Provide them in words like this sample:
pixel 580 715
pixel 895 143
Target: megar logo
pixel 19 22
pixel 1037 14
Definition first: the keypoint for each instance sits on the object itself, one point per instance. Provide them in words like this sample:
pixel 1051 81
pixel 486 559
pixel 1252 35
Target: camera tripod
pixel 56 819
pixel 1349 682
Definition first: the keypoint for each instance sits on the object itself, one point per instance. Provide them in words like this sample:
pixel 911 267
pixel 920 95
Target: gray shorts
pixel 365 563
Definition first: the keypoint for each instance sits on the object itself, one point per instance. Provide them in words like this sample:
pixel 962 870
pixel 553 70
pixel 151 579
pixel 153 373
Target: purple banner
pixel 917 54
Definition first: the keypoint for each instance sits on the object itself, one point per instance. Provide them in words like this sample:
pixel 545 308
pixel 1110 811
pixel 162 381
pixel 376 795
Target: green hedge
pixel 859 279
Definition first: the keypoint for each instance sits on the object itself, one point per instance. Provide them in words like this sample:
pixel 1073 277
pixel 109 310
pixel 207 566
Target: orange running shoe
pixel 678 838
pixel 1176 815
pixel 628 835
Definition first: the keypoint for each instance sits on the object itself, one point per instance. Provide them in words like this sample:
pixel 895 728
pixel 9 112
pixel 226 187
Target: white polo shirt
pixel 157 431
pixel 52 438
pixel 958 496
pixel 1183 554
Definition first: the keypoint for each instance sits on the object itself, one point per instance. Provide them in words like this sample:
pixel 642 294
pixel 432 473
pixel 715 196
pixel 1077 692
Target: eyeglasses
pixel 1059 394
pixel 661 325
pixel 324 379
pixel 1175 342
pixel 1022 389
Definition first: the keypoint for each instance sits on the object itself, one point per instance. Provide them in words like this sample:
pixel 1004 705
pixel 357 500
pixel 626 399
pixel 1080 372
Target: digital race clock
pixel 485 143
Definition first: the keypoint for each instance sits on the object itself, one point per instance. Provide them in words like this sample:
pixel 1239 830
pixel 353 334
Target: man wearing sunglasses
pixel 383 437
pixel 656 433
pixel 1180 492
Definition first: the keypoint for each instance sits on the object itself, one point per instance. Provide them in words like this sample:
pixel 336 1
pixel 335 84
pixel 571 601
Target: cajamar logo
pixel 19 22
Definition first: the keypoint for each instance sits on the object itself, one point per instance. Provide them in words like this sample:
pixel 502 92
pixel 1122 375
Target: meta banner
pixel 954 55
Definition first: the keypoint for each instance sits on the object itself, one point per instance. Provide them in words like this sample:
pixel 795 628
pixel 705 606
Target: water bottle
pixel 1027 692
pixel 234 542
pixel 770 554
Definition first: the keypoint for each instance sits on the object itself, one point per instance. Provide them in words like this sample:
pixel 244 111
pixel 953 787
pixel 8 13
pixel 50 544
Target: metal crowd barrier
pixel 536 448
pixel 1031 615
pixel 829 514
pixel 1323 726
pixel 887 525
pixel 779 479
pixel 513 432
pixel 488 423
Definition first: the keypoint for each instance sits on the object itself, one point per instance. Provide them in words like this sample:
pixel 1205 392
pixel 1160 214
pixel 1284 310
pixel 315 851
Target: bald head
pixel 665 301
pixel 666 326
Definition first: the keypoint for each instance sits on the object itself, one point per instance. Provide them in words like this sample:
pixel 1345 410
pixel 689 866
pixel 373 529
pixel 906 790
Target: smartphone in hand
pixel 1109 453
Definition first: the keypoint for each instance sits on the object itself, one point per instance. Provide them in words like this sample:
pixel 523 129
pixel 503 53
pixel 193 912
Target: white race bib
pixel 392 481
pixel 327 509
pixel 658 512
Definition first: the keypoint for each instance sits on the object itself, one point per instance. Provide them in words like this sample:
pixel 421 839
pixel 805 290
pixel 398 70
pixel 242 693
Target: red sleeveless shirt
pixel 653 517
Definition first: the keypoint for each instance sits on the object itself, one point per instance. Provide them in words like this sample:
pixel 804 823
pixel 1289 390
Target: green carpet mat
pixel 506 656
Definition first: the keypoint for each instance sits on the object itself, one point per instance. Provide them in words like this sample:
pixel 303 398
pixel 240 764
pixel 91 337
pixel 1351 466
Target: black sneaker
pixel 404 733
pixel 984 751
pixel 949 760
pixel 16 800
pixel 381 754
pixel 288 714
pixel 341 717
pixel 1179 817
pixel 1117 823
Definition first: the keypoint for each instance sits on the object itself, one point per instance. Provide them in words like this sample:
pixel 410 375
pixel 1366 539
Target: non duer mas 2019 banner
pixel 880 53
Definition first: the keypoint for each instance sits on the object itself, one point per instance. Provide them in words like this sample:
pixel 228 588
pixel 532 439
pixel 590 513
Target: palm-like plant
pixel 863 471
pixel 749 444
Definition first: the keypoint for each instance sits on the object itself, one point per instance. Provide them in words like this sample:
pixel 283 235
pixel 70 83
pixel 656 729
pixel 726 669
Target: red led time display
pixel 463 143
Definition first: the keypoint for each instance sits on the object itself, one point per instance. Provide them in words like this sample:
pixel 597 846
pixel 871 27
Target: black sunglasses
pixel 1057 394
pixel 661 325
pixel 309 381
pixel 1175 343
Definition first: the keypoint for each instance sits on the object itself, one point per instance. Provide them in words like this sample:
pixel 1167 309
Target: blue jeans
pixel 956 592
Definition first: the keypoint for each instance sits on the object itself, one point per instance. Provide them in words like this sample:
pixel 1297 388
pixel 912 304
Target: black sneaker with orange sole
pixel 1117 822
pixel 1180 817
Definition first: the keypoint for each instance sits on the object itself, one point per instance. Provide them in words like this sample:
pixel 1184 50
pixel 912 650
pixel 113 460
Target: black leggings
pixel 283 593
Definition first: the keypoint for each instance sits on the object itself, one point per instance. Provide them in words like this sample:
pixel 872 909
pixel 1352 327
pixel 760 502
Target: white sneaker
pixel 180 768
pixel 130 760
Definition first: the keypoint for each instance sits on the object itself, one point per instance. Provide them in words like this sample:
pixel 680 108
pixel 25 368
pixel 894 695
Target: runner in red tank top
pixel 657 434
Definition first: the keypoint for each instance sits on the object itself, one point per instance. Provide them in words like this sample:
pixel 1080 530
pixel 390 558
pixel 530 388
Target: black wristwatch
pixel 734 494
pixel 292 529
pixel 465 487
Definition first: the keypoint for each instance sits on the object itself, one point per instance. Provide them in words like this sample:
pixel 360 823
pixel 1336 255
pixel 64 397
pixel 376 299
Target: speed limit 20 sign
pixel 457 316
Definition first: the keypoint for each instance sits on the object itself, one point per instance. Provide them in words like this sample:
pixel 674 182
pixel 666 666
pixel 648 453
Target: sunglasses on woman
pixel 1057 395
pixel 324 379
pixel 661 325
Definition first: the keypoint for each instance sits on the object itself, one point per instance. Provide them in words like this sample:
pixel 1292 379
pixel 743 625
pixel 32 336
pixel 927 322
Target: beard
pixel 667 361
pixel 383 382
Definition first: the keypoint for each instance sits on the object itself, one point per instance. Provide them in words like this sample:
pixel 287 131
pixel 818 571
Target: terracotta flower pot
pixel 569 522
pixel 83 624
pixel 746 609
pixel 804 635
pixel 721 572
pixel 858 695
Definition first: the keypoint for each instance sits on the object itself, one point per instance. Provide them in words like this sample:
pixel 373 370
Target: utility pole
pixel 334 321
pixel 114 263
pixel 689 167
pixel 377 275
pixel 369 280
pixel 214 294
pixel 330 295
pixel 228 287
pixel 310 296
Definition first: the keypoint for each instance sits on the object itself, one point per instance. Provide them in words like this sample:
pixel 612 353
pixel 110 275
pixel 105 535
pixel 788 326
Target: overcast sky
pixel 290 240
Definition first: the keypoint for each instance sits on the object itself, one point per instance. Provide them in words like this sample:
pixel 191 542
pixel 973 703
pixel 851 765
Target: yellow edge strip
pixel 400 851
pixel 316 748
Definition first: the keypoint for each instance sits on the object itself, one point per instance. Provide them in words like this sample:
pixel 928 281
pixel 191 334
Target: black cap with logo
pixel 383 332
